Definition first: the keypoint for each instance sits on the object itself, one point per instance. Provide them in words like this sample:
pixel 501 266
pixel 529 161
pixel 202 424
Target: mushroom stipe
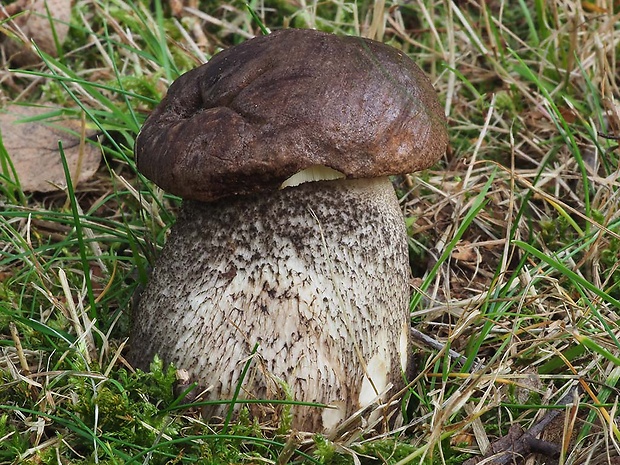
pixel 314 274
pixel 304 273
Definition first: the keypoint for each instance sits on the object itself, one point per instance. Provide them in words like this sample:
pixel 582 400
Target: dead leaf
pixel 569 114
pixel 464 252
pixel 45 22
pixel 176 7
pixel 33 149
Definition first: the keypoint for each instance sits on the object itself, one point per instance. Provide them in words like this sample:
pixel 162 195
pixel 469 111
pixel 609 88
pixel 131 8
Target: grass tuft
pixel 514 237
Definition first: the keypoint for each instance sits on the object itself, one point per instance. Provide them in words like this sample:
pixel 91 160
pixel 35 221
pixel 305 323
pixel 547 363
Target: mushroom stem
pixel 316 275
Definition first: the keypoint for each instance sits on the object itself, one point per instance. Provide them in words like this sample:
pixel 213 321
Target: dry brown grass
pixel 529 124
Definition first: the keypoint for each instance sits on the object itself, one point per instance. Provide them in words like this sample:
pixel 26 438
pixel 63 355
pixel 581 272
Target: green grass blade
pixel 77 223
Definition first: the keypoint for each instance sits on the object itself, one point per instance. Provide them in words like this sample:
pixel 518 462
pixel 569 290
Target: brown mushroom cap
pixel 258 113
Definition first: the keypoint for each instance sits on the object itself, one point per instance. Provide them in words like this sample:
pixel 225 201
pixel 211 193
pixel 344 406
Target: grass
pixel 514 237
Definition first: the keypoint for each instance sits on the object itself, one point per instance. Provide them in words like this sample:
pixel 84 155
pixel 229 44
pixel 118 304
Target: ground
pixel 513 235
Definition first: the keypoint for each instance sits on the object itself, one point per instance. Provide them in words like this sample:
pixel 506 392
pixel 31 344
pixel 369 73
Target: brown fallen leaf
pixel 464 252
pixel 45 22
pixel 33 149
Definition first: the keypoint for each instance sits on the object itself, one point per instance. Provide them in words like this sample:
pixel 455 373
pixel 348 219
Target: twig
pixel 428 341
pixel 608 136
pixel 518 444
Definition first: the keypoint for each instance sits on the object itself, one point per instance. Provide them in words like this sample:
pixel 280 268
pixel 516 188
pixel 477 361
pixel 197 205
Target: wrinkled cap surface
pixel 259 112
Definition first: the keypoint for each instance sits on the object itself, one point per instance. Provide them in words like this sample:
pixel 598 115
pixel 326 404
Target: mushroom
pixel 290 250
